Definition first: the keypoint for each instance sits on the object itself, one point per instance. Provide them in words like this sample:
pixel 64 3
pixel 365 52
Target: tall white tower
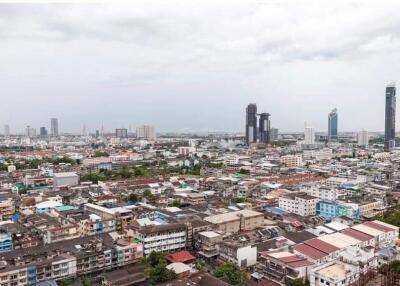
pixel 309 135
pixel 363 139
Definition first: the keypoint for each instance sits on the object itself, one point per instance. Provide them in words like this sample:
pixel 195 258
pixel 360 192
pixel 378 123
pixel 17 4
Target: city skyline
pixel 53 65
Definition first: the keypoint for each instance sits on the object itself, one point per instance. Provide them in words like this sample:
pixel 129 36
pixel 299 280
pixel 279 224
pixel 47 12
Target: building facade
pixel 54 126
pixel 264 128
pixel 333 125
pixel 390 117
pixel 146 132
pixel 251 123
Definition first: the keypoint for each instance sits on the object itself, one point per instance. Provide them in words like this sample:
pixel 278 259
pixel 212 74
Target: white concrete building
pixel 363 138
pixel 291 161
pixel 323 193
pixel 299 203
pixel 65 179
pixel 309 135
pixel 146 132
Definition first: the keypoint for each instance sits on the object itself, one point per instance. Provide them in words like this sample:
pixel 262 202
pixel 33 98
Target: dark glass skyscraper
pixel 333 125
pixel 264 128
pixel 390 117
pixel 251 123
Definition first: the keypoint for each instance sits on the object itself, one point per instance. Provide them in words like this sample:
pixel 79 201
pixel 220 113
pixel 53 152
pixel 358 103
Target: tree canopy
pixel 231 272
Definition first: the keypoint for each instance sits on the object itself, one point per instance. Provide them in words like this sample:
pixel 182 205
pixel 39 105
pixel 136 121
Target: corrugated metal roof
pixel 321 245
pixel 378 226
pixel 367 229
pixel 309 251
pixel 357 234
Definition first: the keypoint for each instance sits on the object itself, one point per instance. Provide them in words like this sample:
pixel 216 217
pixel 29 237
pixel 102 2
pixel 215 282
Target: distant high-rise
pixel 251 123
pixel 43 131
pixel 309 135
pixel 54 126
pixel 333 125
pixel 264 128
pixel 363 138
pixel 146 132
pixel 121 132
pixel 30 132
pixel 274 134
pixel 7 130
pixel 390 117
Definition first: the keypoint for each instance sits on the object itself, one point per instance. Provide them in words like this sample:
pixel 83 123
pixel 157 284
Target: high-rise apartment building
pixel 309 135
pixel 251 123
pixel 264 128
pixel 146 132
pixel 43 131
pixel 54 126
pixel 363 138
pixel 121 133
pixel 30 132
pixel 7 130
pixel 390 117
pixel 333 125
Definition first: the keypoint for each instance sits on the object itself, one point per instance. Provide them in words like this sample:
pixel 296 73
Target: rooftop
pixel 232 216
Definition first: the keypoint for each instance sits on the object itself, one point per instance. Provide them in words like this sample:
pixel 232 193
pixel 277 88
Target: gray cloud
pixel 196 66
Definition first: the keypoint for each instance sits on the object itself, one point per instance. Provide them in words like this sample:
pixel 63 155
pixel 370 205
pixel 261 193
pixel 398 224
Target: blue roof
pixel 276 210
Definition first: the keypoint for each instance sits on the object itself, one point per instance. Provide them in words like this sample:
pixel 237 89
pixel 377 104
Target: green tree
pixel 125 173
pixel 231 272
pixel 157 271
pixel 66 282
pixel 154 258
pixel 176 203
pixel 244 172
pixel 160 273
pixel 133 198
pixel 138 172
pixel 100 154
pixel 200 263
pixel 86 282
pixel 393 266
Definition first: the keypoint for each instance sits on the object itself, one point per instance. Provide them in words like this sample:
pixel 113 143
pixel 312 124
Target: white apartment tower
pixel 146 132
pixel 309 135
pixel 363 138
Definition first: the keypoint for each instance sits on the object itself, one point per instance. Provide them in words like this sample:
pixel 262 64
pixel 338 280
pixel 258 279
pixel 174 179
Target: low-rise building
pixel 236 221
pixel 164 238
pixel 299 203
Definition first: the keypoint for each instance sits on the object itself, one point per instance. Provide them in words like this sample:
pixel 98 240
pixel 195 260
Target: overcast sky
pixel 195 67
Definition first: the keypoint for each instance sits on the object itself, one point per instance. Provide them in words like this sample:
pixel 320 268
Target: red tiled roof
pixel 181 256
pixel 378 226
pixel 309 251
pixel 321 245
pixel 357 234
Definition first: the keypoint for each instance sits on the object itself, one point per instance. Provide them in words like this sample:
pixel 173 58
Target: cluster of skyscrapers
pixel 142 132
pixel 262 133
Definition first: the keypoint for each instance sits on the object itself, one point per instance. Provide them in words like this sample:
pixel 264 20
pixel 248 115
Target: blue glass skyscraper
pixel 333 125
